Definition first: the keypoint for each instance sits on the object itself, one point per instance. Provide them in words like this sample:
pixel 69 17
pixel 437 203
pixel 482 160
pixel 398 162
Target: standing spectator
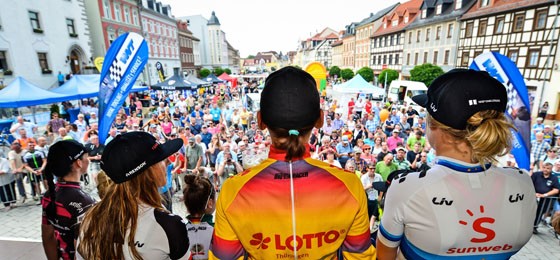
pixel 422 163
pixel 7 184
pixel 200 200
pixel 130 222
pixel 386 166
pixel 373 195
pixel 360 163
pixel 394 139
pixel 400 160
pixel 411 113
pixel 64 203
pixel 34 161
pixel 29 127
pixel 418 138
pixel 351 105
pixel 359 107
pixel 329 127
pixel 337 122
pixel 95 151
pixel 23 139
pixel 413 155
pixel 60 78
pixel 82 126
pixel 548 135
pixel 543 110
pixel 55 123
pixel 546 185
pixel 538 149
pixel 343 151
pixel 15 156
pixel 193 155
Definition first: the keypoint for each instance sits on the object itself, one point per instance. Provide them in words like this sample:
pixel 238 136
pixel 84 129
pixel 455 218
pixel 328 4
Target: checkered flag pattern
pixel 512 98
pixel 115 72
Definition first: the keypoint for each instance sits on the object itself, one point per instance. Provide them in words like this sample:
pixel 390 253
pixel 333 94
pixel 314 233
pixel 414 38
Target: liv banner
pixel 123 63
pixel 518 107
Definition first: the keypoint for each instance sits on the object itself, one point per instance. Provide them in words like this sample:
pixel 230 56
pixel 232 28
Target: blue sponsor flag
pixel 518 107
pixel 123 63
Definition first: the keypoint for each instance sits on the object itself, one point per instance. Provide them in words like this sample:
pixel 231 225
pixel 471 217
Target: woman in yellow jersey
pixel 291 206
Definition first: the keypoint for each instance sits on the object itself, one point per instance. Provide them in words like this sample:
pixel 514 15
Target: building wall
pixel 21 44
pixel 198 26
pixel 431 46
pixel 363 34
pixel 337 55
pixel 118 17
pixel 528 47
pixel 387 52
pixel 348 55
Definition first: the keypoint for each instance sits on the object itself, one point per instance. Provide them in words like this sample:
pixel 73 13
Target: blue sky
pixel 252 26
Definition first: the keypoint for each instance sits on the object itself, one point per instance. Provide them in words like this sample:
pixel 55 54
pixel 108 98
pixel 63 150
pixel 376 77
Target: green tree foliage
pixel 227 71
pixel 425 73
pixel 366 73
pixel 204 73
pixel 251 57
pixel 390 74
pixel 347 74
pixel 218 71
pixel 334 70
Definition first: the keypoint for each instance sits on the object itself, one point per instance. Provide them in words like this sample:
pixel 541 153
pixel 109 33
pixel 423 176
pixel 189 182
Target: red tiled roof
pixel 499 6
pixel 332 36
pixel 411 6
pixel 336 43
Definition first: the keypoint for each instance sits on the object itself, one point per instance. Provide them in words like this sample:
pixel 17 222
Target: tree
pixel 366 73
pixel 390 74
pixel 251 57
pixel 227 71
pixel 204 73
pixel 334 70
pixel 347 74
pixel 425 73
pixel 218 71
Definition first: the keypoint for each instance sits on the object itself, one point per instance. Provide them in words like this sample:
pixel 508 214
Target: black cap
pixel 457 95
pixel 61 154
pixel 290 99
pixel 130 154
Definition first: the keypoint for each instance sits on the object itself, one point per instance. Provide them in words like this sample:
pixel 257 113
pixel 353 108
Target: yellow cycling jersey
pixel 254 213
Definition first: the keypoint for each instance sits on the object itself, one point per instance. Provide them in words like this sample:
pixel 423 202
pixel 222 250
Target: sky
pixel 252 25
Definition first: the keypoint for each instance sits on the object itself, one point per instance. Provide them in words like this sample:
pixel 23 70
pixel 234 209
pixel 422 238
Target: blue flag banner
pixel 518 107
pixel 123 63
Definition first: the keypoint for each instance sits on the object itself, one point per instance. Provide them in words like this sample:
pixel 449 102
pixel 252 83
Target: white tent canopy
pixel 358 85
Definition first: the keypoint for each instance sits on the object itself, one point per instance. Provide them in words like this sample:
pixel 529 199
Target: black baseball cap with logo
pixel 61 154
pixel 455 96
pixel 130 154
pixel 290 99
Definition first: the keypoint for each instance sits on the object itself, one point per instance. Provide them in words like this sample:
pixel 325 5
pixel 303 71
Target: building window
pixel 518 22
pixel 450 30
pixel 135 17
pixel 469 29
pixel 465 59
pixel 438 9
pixel 438 32
pixel 384 59
pixel 446 58
pixel 415 58
pixel 540 20
pixel 513 55
pixel 397 59
pixel 392 40
pixel 408 58
pixel 533 58
pixel 106 9
pixel 374 60
pixel 499 25
pixel 406 19
pixel 43 62
pixel 424 13
pixel 35 23
pixel 482 27
pixel 477 53
pixel 409 37
pixel 4 62
pixel 117 7
pixel 484 3
pixel 418 36
pixel 394 23
pixel 425 57
pixel 458 4
pixel 386 40
pixel 397 39
pixel 71 28
pixel 126 12
pixel 435 60
pixel 428 31
pixel 390 59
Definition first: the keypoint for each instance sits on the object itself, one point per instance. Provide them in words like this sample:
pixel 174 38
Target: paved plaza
pixel 20 235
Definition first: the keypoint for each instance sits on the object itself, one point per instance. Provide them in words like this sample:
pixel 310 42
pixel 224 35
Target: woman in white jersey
pixel 464 205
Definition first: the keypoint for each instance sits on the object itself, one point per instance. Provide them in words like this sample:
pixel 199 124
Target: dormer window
pixel 458 4
pixel 438 9
pixel 394 23
pixel 385 25
pixel 424 13
pixel 484 3
pixel 406 19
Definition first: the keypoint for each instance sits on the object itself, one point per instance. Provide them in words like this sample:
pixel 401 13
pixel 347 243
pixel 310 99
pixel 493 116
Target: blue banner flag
pixel 518 107
pixel 123 63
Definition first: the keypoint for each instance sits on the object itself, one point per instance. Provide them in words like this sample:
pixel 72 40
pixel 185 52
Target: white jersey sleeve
pixel 457 209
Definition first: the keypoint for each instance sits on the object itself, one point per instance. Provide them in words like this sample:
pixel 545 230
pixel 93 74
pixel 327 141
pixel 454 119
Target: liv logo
pixel 259 241
pixel 488 233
